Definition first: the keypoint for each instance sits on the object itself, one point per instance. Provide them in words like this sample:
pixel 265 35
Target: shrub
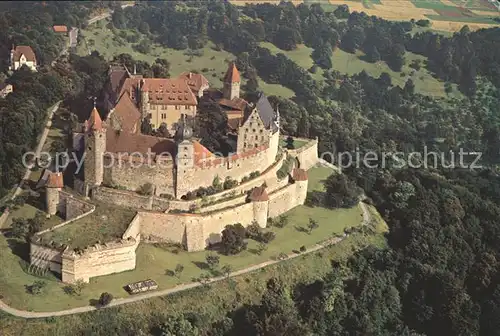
pixel 229 183
pixel 267 237
pixel 254 174
pixel 212 260
pixel 105 299
pixel 253 231
pixel 233 239
pixel 37 287
pixel 315 198
pixel 302 248
pixel 146 189
pixel 281 221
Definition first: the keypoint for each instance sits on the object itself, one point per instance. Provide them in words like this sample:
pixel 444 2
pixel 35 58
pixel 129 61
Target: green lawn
pixel 106 223
pixel 212 63
pixel 296 142
pixel 154 261
pixel 423 80
pixel 474 19
pixel 301 56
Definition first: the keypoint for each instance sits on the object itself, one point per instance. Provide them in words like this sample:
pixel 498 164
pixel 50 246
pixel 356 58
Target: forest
pixel 440 272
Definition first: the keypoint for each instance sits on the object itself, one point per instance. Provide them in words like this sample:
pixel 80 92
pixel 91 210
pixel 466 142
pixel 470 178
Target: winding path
pixel 39 147
pixel 180 288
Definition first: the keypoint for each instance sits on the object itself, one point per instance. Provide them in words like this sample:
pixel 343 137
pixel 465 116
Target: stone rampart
pixel 268 176
pixel 132 175
pixel 45 257
pixel 72 206
pixel 123 198
pixel 235 167
pixel 99 259
pixel 197 231
pixel 307 155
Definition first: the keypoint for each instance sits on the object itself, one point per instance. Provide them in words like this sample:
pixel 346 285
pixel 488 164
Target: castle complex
pixel 114 171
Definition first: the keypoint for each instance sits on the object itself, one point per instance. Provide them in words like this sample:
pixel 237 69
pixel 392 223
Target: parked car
pixel 142 286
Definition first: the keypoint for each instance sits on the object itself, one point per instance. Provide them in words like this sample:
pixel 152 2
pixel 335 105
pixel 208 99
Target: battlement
pixel 90 250
pixel 236 158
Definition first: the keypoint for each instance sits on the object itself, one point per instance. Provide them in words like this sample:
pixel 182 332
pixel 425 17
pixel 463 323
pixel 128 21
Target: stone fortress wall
pixel 307 155
pixel 237 166
pixel 197 231
pixel 194 231
pixel 132 199
pixel 132 175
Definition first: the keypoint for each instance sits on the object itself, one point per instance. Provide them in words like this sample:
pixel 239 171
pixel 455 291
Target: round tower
pixel 299 176
pixel 95 146
pixel 53 185
pixel 260 199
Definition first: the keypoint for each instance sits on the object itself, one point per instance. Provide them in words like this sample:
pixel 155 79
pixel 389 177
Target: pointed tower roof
pixel 55 180
pixel 94 122
pixel 232 74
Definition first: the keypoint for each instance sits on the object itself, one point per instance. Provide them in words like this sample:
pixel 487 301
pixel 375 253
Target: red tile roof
pixel 55 180
pixel 94 122
pixel 26 51
pixel 299 174
pixel 232 74
pixel 123 142
pixel 194 80
pixel 259 194
pixel 128 114
pixel 200 152
pixel 166 91
pixel 60 29
pixel 235 103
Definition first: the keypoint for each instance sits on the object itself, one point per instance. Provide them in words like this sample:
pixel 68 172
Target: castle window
pixel 261 131
pixel 150 115
pixel 253 130
pixel 262 138
pixel 164 116
pixel 245 137
pixel 164 107
pixel 186 107
pixel 90 148
pixel 177 107
pixel 245 145
pixel 256 145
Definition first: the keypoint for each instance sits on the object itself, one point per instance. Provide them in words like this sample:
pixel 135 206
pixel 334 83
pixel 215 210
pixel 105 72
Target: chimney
pixel 135 69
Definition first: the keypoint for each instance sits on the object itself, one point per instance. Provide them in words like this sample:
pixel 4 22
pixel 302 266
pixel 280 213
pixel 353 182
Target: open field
pixel 477 16
pixel 154 261
pixel 211 63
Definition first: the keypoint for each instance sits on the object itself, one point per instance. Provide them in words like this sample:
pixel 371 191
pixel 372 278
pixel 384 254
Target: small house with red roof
pixel 22 55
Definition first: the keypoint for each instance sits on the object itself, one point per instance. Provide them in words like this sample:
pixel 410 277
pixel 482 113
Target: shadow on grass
pixel 20 248
pixel 301 229
pixel 201 265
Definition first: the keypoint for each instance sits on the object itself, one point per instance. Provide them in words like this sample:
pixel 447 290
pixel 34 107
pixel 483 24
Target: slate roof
pixel 266 112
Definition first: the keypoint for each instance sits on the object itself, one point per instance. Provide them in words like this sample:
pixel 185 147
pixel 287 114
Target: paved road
pixel 39 147
pixel 180 288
